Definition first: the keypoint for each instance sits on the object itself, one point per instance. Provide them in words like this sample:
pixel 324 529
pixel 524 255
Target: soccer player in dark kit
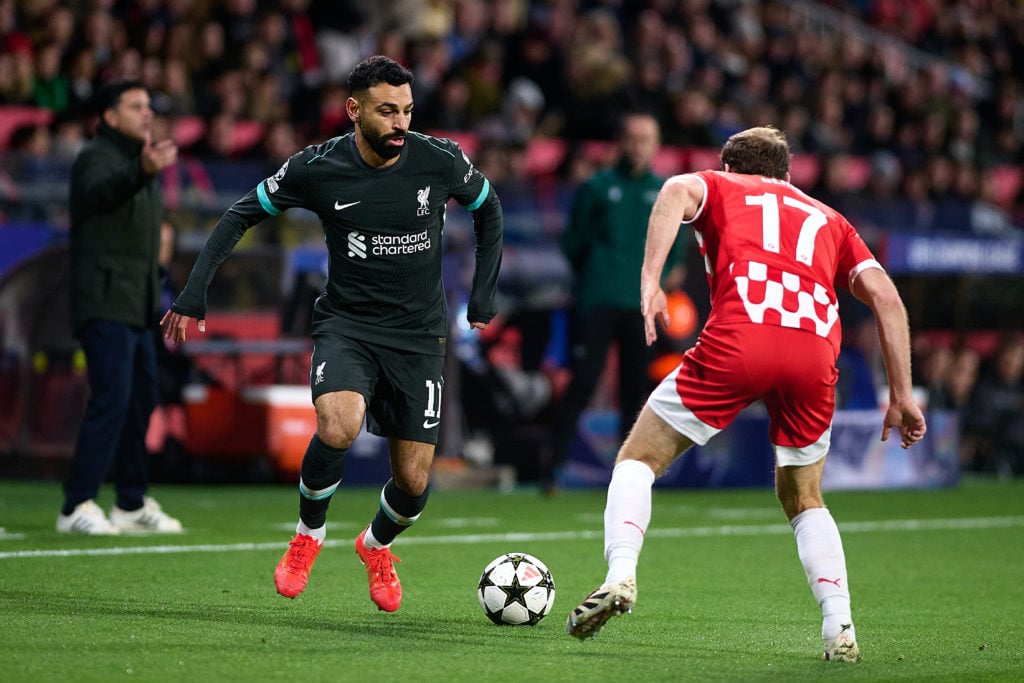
pixel 379 329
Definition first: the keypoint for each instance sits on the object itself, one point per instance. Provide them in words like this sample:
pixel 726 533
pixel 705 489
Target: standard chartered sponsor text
pixel 394 245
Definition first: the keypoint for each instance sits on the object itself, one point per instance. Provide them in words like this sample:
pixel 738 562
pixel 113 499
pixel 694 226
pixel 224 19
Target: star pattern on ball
pixel 514 592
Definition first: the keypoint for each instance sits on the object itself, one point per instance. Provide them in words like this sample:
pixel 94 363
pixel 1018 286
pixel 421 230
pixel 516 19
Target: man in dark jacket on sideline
pixel 116 210
pixel 604 245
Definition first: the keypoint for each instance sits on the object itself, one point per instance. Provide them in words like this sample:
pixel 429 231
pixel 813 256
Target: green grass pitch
pixel 937 580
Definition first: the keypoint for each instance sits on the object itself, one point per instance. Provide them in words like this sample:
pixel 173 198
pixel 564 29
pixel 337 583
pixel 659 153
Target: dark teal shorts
pixel 402 390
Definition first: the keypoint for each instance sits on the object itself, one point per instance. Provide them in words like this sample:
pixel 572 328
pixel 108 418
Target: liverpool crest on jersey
pixel 423 197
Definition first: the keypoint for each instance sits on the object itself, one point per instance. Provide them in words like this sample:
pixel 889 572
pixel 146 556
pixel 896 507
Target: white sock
pixel 821 552
pixel 370 541
pixel 320 533
pixel 626 516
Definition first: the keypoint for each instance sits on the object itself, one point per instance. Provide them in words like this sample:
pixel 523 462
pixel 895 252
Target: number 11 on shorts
pixel 432 414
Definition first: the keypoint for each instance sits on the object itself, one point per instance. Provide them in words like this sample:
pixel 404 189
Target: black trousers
pixel 593 334
pixel 121 368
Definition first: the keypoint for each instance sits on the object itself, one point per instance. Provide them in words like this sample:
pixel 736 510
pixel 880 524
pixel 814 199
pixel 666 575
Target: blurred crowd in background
pixel 909 114
pixel 914 108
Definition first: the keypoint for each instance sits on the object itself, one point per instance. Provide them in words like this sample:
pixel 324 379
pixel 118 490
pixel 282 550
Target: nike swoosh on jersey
pixel 339 206
pixel 427 424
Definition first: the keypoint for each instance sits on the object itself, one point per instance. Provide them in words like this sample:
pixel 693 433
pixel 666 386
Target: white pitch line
pixel 524 537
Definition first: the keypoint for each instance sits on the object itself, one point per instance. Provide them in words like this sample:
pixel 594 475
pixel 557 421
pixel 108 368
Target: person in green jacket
pixel 116 210
pixel 604 245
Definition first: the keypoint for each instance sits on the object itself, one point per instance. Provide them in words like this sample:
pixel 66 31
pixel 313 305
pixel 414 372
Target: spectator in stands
pixel 931 367
pixel 796 123
pixel 516 122
pixel 116 211
pixel 692 120
pixel 878 133
pixel 30 142
pixel 920 207
pixel 949 375
pixel 604 245
pixel 484 79
pixel 448 110
pixel 961 376
pixel 267 98
pixel 647 89
pixel 952 204
pixel 827 134
pixel 178 88
pixel 988 217
pixel 859 355
pixel 534 55
pixel 994 423
pixel 31 169
pixel 49 85
pixel 17 75
pixel 878 207
pixel 82 76
pixel 60 27
pixel 833 186
pixel 211 59
pixel 68 136
pixel 599 76
pixel 331 119
pixel 218 141
pixel 433 61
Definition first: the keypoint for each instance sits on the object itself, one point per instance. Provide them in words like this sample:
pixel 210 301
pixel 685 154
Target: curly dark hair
pixel 375 70
pixel 762 151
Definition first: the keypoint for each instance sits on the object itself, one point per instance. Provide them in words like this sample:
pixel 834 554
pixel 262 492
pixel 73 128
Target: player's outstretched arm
pixel 678 200
pixel 488 224
pixel 874 288
pixel 191 301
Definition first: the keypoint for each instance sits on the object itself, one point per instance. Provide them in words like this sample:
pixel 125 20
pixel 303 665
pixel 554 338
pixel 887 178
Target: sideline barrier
pixel 275 422
pixel 741 455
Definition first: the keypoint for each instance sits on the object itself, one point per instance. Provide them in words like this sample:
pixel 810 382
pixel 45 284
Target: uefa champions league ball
pixel 516 589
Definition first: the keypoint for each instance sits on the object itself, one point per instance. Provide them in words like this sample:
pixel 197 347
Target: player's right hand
pixel 174 326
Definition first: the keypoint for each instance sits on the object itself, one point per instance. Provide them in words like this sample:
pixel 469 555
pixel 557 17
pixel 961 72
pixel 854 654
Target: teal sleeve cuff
pixel 480 198
pixel 265 202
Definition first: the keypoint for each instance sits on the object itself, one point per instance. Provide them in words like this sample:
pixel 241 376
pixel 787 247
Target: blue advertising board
pixel 741 455
pixel 945 255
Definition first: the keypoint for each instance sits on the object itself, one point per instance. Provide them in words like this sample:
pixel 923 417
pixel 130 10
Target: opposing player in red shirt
pixel 773 257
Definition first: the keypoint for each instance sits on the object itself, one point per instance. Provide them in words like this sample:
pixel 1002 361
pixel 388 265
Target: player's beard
pixel 379 143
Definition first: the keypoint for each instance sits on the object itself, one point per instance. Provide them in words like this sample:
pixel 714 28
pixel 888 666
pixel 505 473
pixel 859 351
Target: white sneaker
pixel 842 648
pixel 147 519
pixel 86 518
pixel 610 600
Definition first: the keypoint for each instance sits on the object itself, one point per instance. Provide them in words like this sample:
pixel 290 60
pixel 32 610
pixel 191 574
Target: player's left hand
pixel 478 326
pixel 174 326
pixel 905 416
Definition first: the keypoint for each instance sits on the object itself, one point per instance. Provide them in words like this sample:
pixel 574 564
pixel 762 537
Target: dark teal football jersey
pixel 383 228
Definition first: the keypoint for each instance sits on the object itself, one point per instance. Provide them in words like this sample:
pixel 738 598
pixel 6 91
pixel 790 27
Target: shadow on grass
pixel 352 623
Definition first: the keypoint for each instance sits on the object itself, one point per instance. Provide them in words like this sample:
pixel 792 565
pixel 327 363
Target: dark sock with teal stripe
pixel 322 467
pixel 398 510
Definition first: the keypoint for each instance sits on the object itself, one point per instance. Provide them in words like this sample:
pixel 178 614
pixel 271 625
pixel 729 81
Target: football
pixel 516 589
